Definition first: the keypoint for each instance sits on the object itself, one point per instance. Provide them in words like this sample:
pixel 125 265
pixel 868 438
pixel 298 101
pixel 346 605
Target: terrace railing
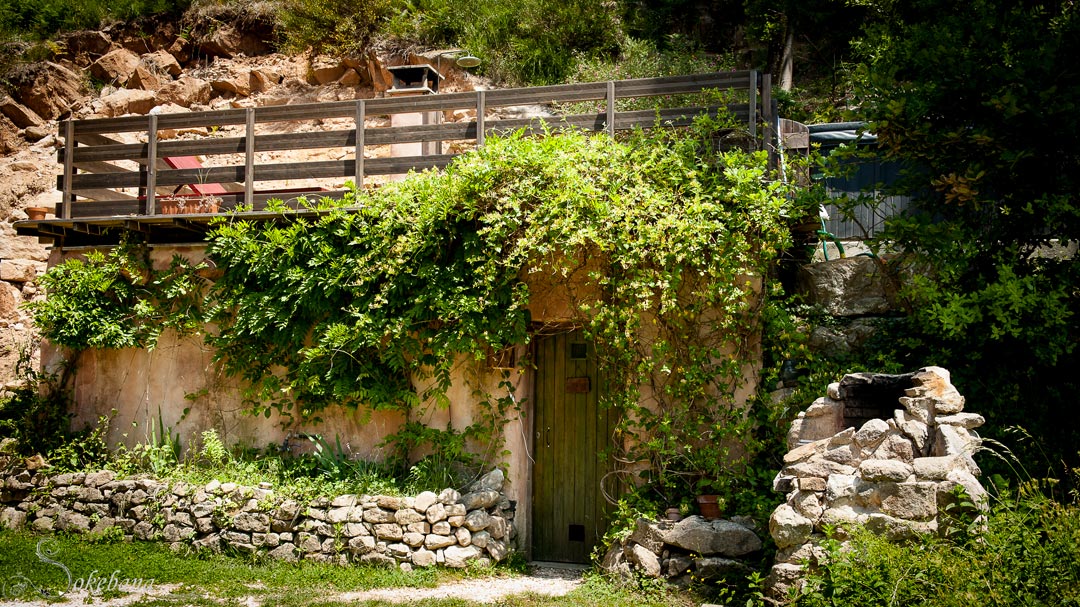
pixel 106 180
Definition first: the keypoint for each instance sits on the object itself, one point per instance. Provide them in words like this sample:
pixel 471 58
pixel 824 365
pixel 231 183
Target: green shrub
pixel 342 27
pixel 1028 553
pixel 42 19
pixel 520 41
pixel 36 414
pixel 117 300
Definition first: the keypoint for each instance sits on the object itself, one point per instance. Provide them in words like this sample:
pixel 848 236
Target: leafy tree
pixel 980 98
pixel 520 41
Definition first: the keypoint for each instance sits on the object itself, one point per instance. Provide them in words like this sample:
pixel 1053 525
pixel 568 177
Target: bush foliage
pixel 985 124
pixel 42 19
pixel 1026 553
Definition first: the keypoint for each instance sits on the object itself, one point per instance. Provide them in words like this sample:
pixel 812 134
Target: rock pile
pixel 705 549
pixel 447 529
pixel 894 475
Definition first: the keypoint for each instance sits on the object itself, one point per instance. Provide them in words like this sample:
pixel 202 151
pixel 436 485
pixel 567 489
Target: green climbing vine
pixel 116 299
pixel 662 241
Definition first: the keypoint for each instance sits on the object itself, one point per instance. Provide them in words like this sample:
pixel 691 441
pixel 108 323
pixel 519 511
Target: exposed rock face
pixel 52 90
pixel 228 41
pixel 249 519
pixel 896 471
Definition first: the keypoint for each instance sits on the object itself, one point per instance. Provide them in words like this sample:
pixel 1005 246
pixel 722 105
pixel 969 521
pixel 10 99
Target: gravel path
pixel 550 581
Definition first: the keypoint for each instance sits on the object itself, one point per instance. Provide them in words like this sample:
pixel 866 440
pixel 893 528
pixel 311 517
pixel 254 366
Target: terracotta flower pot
pixel 709 505
pixel 36 213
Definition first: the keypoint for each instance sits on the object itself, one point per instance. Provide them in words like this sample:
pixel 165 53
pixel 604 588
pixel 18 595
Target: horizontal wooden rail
pixel 85 157
pixel 560 93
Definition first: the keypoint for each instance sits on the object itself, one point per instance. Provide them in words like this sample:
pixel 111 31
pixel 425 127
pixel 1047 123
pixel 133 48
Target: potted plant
pixel 710 506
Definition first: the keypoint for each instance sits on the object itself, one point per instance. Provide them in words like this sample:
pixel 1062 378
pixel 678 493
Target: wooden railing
pixel 95 186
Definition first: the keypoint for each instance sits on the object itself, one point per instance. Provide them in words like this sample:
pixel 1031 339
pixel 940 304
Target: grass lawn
pixel 238 580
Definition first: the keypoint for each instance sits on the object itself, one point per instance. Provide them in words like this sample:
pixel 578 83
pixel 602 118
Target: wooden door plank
pixel 591 459
pixel 563 493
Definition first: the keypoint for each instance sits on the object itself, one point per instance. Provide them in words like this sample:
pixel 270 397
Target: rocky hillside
pixel 101 74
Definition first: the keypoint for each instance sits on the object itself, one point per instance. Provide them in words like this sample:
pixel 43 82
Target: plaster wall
pixel 177 386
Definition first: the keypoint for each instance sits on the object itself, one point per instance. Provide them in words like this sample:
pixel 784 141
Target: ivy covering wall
pixel 663 241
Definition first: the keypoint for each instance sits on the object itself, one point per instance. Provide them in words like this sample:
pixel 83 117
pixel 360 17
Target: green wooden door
pixel 569 511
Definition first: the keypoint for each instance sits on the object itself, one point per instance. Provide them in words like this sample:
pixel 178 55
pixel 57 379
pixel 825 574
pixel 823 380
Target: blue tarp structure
pixel 871 176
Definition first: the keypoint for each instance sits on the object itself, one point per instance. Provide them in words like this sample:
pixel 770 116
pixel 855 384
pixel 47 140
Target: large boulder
pixel 459 556
pixel 325 70
pixel 788 527
pixel 144 78
pixel 18 113
pixel 184 92
pixel 162 62
pixel 127 101
pixel 115 67
pixel 846 287
pixel 492 481
pixel 228 41
pixel 708 537
pixel 10 300
pixel 51 90
pixel 237 83
pixel 644 560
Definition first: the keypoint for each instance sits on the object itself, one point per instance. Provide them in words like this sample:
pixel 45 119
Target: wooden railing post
pixel 249 159
pixel 768 119
pixel 361 116
pixel 480 126
pixel 69 169
pixel 151 165
pixel 753 101
pixel 611 108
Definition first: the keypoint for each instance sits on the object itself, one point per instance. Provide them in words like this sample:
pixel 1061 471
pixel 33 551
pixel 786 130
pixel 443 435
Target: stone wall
pixel 894 475
pixel 678 551
pixel 446 529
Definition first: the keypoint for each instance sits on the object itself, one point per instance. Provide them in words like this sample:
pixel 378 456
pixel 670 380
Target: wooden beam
pixel 481 119
pixel 360 136
pixel 151 166
pixel 768 127
pixel 69 169
pixel 753 103
pixel 136 226
pixel 249 157
pixel 611 108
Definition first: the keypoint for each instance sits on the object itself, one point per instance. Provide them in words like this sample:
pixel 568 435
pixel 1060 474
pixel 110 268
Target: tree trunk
pixel 787 59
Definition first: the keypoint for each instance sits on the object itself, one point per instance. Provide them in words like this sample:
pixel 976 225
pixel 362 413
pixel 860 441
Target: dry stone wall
pixel 895 473
pixel 429 529
pixel 678 551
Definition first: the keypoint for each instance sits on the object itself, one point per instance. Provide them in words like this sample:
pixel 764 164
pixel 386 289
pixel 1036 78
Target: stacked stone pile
pixel 448 528
pixel 695 547
pixel 895 475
